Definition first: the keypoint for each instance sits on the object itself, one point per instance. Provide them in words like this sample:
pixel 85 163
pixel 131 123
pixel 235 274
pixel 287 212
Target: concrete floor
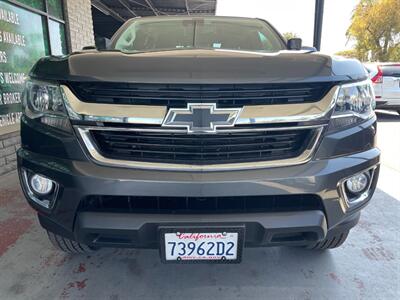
pixel 365 267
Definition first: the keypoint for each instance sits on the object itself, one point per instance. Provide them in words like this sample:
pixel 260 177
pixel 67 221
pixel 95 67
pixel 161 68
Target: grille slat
pixel 138 145
pixel 188 92
pixel 193 143
pixel 173 136
pixel 180 152
pixel 197 205
pixel 208 98
pixel 178 95
pixel 201 149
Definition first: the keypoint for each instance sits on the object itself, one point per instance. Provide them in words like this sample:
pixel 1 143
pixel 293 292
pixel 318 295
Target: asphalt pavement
pixel 365 267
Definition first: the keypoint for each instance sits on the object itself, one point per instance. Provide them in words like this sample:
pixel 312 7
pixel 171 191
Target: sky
pixel 298 16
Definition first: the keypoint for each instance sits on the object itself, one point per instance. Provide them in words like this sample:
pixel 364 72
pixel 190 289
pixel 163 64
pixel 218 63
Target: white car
pixel 386 81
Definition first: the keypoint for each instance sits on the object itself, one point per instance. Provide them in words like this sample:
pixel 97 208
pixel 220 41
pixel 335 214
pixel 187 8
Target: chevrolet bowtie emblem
pixel 201 117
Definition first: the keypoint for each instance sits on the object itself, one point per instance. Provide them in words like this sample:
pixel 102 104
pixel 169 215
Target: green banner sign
pixel 22 43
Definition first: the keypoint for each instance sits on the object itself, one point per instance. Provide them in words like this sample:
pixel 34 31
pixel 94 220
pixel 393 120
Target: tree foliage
pixel 347 53
pixel 289 35
pixel 375 28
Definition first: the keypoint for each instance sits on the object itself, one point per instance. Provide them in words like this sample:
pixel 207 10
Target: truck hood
pixel 198 66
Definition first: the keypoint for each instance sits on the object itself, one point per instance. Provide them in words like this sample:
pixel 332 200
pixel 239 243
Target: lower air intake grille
pixel 194 205
pixel 204 149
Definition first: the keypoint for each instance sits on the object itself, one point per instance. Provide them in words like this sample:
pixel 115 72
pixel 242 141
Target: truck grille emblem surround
pixel 201 117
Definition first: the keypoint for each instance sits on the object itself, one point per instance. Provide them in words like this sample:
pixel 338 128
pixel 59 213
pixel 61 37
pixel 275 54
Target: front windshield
pixel 200 33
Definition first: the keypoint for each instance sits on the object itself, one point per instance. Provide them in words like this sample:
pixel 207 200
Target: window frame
pixel 48 17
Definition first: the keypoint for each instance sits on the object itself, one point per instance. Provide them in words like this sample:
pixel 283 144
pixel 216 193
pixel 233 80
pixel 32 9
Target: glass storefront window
pixel 46 34
pixel 57 38
pixel 38 4
pixel 55 8
pixel 27 33
pixel 22 43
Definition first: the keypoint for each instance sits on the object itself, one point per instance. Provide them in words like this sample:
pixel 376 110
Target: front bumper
pixel 61 158
pixel 143 231
pixel 79 179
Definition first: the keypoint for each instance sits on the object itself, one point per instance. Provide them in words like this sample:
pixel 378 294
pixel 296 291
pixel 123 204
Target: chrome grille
pixel 165 146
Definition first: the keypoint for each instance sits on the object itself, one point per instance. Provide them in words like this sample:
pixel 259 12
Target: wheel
pixel 331 241
pixel 67 245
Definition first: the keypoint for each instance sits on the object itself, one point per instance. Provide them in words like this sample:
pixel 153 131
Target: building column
pixel 78 14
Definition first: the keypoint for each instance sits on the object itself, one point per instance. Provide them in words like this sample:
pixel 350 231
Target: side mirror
pixel 102 43
pixel 294 44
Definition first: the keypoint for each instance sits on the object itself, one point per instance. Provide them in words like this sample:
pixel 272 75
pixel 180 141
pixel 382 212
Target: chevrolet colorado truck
pixel 198 136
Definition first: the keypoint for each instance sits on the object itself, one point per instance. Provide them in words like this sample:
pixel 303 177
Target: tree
pixel 347 53
pixel 375 28
pixel 289 35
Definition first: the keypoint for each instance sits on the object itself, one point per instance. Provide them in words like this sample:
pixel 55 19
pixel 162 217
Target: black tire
pixel 67 245
pixel 331 241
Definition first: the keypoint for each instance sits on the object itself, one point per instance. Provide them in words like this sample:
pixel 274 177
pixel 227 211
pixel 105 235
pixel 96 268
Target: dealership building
pixel 30 29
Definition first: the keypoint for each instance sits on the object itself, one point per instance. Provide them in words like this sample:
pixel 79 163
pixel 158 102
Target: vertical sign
pixel 22 43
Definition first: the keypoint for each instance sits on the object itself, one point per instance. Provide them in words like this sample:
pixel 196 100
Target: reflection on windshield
pixel 205 33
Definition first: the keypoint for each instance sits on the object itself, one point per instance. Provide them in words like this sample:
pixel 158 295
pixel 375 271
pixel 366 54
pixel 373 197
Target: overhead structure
pixel 108 15
pixel 126 9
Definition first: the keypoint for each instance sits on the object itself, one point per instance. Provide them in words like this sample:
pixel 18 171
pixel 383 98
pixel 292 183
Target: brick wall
pixel 9 143
pixel 79 23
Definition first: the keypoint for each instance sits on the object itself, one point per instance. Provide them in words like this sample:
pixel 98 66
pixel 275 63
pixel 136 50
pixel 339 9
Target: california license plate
pixel 185 245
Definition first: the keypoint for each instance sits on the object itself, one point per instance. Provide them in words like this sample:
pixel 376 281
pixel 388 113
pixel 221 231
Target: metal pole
pixel 318 18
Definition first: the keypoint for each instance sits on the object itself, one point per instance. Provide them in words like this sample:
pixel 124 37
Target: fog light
pixel 41 185
pixel 357 183
pixel 358 189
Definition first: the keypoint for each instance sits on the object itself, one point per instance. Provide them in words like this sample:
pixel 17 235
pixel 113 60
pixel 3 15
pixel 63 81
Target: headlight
pixel 45 101
pixel 354 103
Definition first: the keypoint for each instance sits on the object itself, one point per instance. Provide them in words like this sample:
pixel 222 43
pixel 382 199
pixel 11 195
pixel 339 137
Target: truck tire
pixel 67 245
pixel 331 241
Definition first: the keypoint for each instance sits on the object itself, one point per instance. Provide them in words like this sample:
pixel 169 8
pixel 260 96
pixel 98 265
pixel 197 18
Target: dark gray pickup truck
pixel 198 136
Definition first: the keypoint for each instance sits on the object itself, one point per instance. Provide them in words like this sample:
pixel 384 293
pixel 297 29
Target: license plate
pixel 185 245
